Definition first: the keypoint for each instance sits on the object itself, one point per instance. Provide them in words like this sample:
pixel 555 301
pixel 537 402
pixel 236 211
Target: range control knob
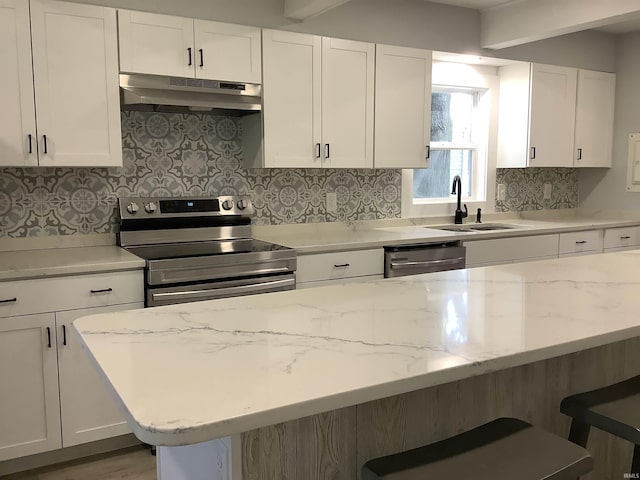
pixel 132 208
pixel 227 204
pixel 242 204
pixel 150 207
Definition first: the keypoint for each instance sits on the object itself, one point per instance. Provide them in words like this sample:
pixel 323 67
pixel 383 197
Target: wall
pixel 413 23
pixel 606 188
pixel 176 154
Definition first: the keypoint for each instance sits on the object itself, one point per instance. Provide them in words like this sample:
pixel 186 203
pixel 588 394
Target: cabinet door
pixel 17 115
pixel 156 44
pixel 508 250
pixel 594 119
pixel 403 92
pixel 89 411
pixel 553 116
pixel 75 63
pixel 291 99
pixel 29 403
pixel 227 52
pixel 347 103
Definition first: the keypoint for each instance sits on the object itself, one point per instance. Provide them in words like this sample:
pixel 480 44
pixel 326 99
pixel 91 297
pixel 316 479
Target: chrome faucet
pixel 457 186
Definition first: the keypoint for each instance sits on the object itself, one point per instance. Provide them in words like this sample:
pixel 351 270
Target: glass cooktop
pixel 202 249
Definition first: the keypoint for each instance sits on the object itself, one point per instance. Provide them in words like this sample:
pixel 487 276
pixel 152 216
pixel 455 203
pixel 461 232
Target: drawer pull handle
pixel 342 265
pixel 102 290
pixel 9 300
pixel 49 337
pixel 580 242
pixel 64 335
pixel 625 237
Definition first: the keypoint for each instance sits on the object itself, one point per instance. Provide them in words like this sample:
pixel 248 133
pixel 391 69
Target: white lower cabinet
pixel 580 243
pixel 482 253
pixel 623 238
pixel 29 403
pixel 52 396
pixel 89 412
pixel 339 267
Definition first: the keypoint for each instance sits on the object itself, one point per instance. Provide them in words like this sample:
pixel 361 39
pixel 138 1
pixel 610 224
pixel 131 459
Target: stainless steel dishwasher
pixel 423 258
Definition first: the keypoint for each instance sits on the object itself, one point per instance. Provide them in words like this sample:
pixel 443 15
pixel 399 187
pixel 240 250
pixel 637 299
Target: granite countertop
pixel 26 264
pixel 226 366
pixel 319 238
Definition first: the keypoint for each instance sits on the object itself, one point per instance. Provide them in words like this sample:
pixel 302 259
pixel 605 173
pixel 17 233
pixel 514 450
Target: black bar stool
pixel 614 409
pixel 504 449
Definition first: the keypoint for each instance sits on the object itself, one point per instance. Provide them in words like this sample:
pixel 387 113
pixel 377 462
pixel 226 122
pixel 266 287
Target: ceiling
pixel 629 25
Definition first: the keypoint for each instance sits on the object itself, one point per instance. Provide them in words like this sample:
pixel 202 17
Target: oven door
pixel 222 289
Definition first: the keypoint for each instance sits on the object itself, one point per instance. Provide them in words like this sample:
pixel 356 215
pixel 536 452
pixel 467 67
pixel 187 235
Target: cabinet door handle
pixel 201 57
pixel 579 154
pixel 626 237
pixel 30 144
pixel 428 152
pixel 327 150
pixel 44 138
pixel 533 153
pixel 102 290
pixel 49 337
pixel 342 265
pixel 9 300
pixel 318 147
pixel 581 242
pixel 190 59
pixel 64 335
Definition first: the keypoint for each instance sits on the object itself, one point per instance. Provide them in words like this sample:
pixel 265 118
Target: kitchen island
pixel 310 384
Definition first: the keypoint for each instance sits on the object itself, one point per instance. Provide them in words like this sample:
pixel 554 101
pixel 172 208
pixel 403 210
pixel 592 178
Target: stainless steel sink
pixel 480 227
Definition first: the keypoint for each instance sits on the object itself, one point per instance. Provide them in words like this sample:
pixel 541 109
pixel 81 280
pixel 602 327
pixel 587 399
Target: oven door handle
pixel 213 292
pixel 446 261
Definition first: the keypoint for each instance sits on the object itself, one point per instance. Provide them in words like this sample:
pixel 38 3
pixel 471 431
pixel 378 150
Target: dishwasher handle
pixel 429 263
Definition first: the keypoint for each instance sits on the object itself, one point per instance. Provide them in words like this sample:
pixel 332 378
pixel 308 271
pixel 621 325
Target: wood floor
pixel 134 463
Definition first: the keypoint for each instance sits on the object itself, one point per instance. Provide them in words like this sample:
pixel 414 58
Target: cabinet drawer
pixel 330 266
pixel 65 293
pixel 581 242
pixel 621 237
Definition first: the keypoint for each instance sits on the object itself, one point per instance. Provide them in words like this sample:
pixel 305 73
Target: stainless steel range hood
pixel 173 94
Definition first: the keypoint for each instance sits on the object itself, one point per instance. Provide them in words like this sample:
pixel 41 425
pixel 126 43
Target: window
pixel 453 150
pixel 463 127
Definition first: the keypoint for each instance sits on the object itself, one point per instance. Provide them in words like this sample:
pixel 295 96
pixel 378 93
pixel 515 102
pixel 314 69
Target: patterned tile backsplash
pixel 185 154
pixel 194 154
pixel 525 188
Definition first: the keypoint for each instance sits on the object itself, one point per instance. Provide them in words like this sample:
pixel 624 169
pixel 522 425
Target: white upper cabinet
pixel 156 44
pixel 318 96
pixel 182 47
pixel 403 92
pixel 227 52
pixel 17 116
pixel 291 99
pixel 537 116
pixel 75 66
pixel 74 81
pixel 347 103
pixel 554 116
pixel 594 119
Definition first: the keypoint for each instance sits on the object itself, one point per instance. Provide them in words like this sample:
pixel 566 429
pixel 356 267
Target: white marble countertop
pixel 24 264
pixel 195 372
pixel 319 238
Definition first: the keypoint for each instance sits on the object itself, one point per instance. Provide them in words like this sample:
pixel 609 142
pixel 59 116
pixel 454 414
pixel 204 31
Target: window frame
pixel 459 77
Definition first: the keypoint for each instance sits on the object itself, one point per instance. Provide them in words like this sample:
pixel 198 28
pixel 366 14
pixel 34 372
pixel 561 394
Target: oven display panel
pixel 187 205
